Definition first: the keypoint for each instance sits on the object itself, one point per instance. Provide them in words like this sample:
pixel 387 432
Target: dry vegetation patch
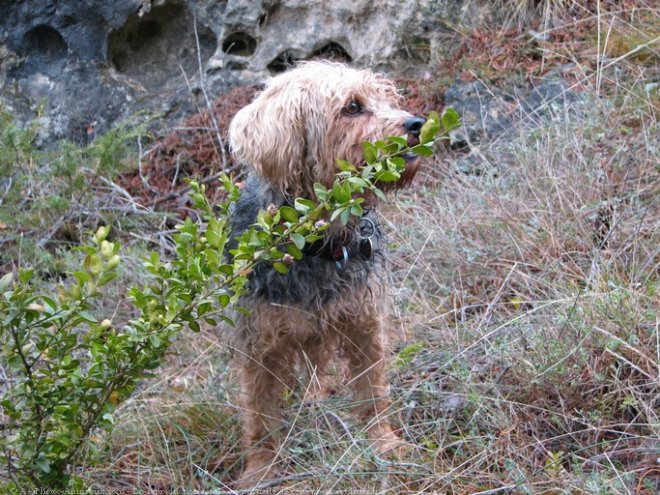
pixel 534 290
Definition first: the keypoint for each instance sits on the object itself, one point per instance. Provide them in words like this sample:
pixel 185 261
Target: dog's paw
pixel 387 443
pixel 259 468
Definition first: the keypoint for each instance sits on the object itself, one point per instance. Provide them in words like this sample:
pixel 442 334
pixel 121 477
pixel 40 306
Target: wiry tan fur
pixel 294 132
pixel 292 135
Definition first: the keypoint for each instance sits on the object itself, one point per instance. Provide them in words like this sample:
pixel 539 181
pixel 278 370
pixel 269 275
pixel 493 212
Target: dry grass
pixel 534 289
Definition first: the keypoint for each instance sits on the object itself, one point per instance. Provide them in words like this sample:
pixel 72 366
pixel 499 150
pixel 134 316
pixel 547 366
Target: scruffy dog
pixel 335 297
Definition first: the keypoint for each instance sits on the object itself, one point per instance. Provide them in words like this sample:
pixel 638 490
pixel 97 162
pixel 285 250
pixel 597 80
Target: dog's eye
pixel 353 108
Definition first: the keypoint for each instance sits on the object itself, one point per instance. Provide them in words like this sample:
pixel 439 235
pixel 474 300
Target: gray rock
pixel 84 64
pixel 492 116
pixel 489 112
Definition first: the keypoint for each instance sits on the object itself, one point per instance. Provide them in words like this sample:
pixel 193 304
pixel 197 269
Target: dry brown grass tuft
pixel 195 150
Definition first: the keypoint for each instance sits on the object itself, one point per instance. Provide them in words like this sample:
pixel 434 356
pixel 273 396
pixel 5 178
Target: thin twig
pixel 176 172
pixel 206 96
pixel 143 179
pixel 121 191
pixel 4 194
pixel 265 484
pixel 497 490
pixel 187 189
pixel 489 309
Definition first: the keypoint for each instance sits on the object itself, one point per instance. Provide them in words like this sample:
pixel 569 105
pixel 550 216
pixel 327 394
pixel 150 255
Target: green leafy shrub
pixel 66 369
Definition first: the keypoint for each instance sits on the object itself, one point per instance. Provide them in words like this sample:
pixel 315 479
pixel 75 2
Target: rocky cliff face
pixel 84 64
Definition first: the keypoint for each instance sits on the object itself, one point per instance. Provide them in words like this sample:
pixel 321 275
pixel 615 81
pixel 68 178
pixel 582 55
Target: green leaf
pixel 450 119
pixel 312 238
pixel 88 317
pixel 341 192
pixel 228 320
pixel 396 163
pixel 289 214
pixel 94 263
pixel 392 147
pixel 24 276
pixel 264 218
pixel 69 364
pixel 223 300
pixel 387 176
pixel 401 141
pixel 422 150
pixel 321 191
pixel 203 308
pixel 42 463
pixel 226 270
pixel 213 258
pixel 303 205
pixel 380 194
pixel 50 304
pixel 430 128
pixel 336 213
pixel 106 278
pixel 82 277
pixel 369 152
pixel 358 183
pixel 345 166
pixel 101 234
pixel 280 267
pixel 294 251
pixel 408 353
pixel 5 281
pixel 275 254
pixel 298 240
pixel 356 210
pixel 345 216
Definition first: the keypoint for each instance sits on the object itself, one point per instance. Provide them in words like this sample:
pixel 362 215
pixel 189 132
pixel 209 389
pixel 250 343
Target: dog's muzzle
pixel 413 126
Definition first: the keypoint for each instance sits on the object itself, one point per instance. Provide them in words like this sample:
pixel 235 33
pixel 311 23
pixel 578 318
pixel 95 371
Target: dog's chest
pixel 338 268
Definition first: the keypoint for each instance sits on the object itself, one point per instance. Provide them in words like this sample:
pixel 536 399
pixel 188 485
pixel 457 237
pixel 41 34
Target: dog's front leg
pixel 367 355
pixel 262 380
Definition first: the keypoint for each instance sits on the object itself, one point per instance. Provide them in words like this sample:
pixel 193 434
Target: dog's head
pixel 309 117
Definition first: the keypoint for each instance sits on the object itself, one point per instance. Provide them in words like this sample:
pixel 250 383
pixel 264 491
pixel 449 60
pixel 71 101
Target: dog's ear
pixel 272 134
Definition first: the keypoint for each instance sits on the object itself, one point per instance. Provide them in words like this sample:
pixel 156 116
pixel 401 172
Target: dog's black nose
pixel 413 125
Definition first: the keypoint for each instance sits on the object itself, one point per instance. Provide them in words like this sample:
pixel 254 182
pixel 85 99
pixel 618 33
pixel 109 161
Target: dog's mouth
pixel 413 139
pixel 410 169
pixel 409 157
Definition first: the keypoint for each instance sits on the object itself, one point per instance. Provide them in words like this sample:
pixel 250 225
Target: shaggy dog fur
pixel 335 297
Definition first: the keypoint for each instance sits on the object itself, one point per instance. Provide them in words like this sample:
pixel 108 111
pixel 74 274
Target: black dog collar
pixel 343 247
